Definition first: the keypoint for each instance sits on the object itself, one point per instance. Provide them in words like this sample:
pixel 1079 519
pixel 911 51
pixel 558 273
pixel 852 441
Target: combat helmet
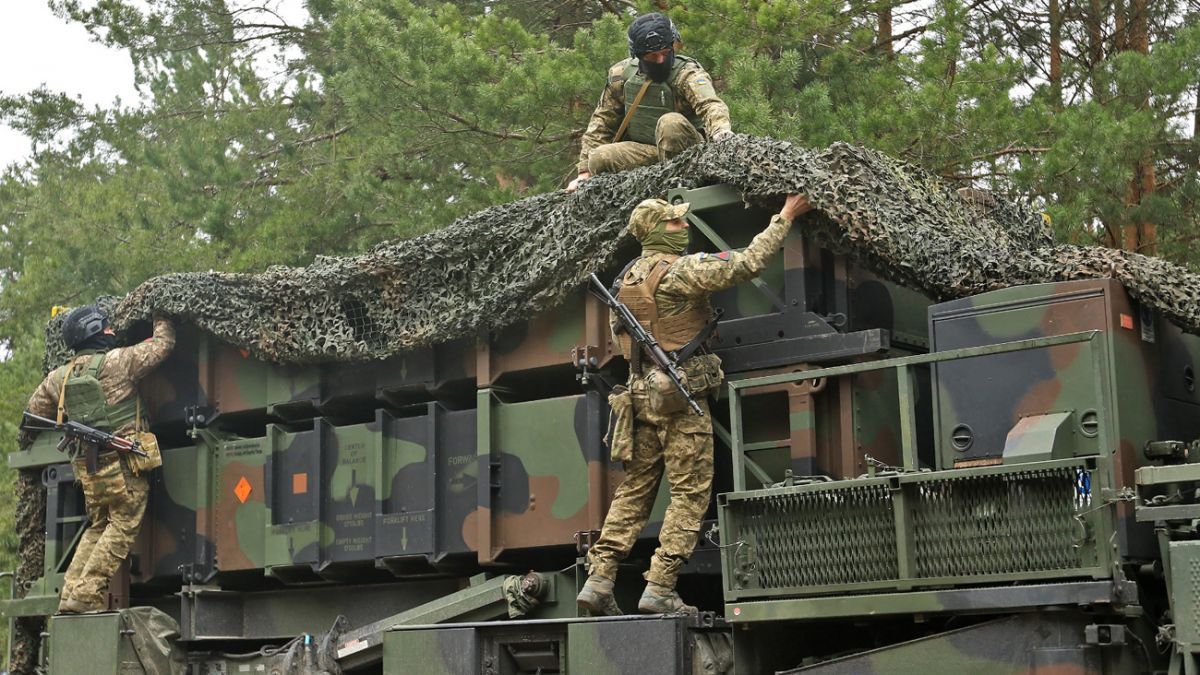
pixel 83 323
pixel 651 33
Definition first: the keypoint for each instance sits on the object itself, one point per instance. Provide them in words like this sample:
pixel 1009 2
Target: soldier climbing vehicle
pixel 1001 483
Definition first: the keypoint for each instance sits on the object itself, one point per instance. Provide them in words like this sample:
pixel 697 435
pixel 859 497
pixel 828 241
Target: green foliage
pixel 260 142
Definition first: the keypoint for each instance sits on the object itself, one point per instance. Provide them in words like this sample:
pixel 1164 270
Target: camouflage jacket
pixel 692 83
pixel 123 368
pixel 693 277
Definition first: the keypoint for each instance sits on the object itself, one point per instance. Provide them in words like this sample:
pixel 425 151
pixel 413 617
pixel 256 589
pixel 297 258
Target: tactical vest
pixel 83 396
pixel 638 287
pixel 659 100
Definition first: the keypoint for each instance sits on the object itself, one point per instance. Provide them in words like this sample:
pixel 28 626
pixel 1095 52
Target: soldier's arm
pixel 606 118
pixel 44 401
pixel 696 86
pixel 138 360
pixel 702 273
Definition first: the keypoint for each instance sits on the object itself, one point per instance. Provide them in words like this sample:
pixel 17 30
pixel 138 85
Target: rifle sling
pixel 685 352
pixel 637 100
pixel 616 284
pixel 62 392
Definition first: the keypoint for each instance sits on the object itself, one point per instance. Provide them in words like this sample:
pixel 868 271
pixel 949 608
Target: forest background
pixel 383 119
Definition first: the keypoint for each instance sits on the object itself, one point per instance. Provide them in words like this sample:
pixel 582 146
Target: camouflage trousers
pixel 681 446
pixel 672 135
pixel 115 501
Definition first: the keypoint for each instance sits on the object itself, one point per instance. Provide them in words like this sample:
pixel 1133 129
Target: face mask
pixel 658 72
pixel 661 241
pixel 99 342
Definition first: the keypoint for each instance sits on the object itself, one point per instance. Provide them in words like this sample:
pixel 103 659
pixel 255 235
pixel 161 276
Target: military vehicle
pixel 997 484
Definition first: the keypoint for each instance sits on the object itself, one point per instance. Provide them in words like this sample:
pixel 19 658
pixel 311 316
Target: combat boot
pixel 597 597
pixel 658 599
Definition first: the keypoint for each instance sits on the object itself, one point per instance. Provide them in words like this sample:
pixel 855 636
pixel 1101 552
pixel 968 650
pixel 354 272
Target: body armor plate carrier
pixel 660 99
pixel 638 287
pixel 84 401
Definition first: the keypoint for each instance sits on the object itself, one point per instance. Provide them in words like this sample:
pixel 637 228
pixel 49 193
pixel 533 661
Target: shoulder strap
pixel 95 364
pixel 616 286
pixel 660 270
pixel 637 100
pixel 629 70
pixel 653 279
pixel 62 392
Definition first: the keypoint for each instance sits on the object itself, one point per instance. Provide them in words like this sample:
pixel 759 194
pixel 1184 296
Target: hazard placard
pixel 242 490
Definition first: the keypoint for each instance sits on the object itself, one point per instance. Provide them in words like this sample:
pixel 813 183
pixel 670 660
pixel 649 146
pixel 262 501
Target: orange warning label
pixel 299 483
pixel 242 490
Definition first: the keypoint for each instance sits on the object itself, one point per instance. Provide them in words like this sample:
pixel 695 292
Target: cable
pixel 1145 649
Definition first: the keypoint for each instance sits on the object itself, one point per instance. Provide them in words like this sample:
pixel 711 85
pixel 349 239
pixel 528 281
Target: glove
pixel 722 135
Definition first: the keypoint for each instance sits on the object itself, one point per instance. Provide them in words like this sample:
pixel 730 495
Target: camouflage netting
pixel 508 262
pixel 30 496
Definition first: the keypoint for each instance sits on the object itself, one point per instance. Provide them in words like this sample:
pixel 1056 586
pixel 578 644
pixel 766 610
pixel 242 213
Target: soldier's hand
pixel 722 135
pixel 795 205
pixel 574 185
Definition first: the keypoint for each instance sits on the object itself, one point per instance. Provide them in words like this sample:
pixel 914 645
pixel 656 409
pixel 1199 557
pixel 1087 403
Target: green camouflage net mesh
pixel 508 262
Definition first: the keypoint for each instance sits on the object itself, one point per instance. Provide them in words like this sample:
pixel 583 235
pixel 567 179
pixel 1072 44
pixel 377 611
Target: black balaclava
pixel 659 72
pixel 100 342
pixel 652 33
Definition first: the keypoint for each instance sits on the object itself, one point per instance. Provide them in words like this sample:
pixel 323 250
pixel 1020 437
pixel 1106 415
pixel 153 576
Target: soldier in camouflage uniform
pixel 669 294
pixel 114 496
pixel 677 103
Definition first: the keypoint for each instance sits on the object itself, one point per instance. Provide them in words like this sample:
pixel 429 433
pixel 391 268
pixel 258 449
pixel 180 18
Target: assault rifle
pixel 643 339
pixel 91 439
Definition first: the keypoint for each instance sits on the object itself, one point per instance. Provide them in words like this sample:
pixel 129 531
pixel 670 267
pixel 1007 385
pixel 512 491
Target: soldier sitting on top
pixel 657 99
pixel 98 387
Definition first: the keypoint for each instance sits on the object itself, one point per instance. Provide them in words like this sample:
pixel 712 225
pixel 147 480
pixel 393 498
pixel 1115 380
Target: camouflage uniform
pixel 114 498
pixel 680 443
pixel 674 132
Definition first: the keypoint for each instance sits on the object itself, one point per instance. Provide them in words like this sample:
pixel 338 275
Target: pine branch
pixel 305 141
pixel 475 127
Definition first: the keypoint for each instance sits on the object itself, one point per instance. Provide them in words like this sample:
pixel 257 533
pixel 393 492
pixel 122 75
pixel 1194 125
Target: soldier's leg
pixel 125 519
pixel 688 456
pixel 98 521
pixel 674 134
pixel 621 156
pixel 630 508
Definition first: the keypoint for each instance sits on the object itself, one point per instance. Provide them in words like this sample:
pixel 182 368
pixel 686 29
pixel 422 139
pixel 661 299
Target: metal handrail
pixel 903 366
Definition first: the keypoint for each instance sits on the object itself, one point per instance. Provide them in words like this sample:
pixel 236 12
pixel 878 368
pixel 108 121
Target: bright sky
pixel 38 48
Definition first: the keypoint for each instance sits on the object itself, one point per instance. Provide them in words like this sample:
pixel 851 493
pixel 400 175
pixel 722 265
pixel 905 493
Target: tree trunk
pixel 1095 32
pixel 1141 235
pixel 1121 28
pixel 884 39
pixel 1196 127
pixel 1055 12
